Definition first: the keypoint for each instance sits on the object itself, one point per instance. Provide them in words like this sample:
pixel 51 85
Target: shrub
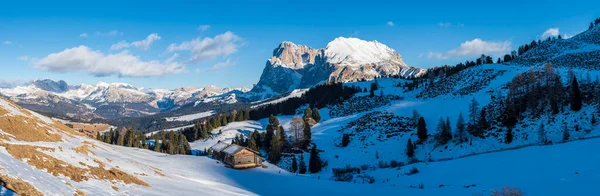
pixel 412 171
pixel 394 163
pixel 344 174
pixel 507 191
pixel 383 164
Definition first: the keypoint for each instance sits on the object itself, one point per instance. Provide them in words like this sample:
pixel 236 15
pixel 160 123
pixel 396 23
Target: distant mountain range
pixel 109 100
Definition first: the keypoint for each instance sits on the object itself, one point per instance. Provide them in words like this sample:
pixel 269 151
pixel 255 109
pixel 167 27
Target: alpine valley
pixel 351 118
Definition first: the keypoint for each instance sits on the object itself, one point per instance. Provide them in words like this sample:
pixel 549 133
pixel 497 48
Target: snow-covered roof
pixel 219 146
pixel 232 149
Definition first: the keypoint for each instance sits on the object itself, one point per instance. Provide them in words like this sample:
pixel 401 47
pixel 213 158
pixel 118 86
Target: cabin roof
pixel 219 146
pixel 232 149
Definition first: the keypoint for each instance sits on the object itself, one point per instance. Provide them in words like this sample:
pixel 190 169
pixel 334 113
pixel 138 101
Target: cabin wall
pixel 244 157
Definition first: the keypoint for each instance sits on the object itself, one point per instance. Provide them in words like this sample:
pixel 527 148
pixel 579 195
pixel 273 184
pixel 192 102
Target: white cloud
pixel 24 58
pixel 461 25
pixel 435 55
pixel 201 49
pixel 203 27
pixel 145 44
pixel 421 55
pixel 445 24
pixel 119 45
pixel 10 83
pixel 390 23
pixel 84 35
pixel 475 47
pixel 551 32
pixel 123 64
pixel 110 33
pixel 217 66
pixel 7 42
pixel 566 36
pixel 142 44
pixel 221 65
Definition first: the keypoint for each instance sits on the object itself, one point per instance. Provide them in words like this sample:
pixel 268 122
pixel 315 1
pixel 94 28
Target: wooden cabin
pixel 236 156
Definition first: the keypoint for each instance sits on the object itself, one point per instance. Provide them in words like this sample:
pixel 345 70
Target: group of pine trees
pixel 595 23
pixel 318 97
pixel 540 92
pixel 166 142
pixel 203 130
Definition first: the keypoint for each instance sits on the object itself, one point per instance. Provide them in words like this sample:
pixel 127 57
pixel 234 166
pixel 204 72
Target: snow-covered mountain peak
pixel 354 50
pixel 295 66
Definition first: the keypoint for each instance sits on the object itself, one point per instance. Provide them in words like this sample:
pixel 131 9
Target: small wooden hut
pixel 236 156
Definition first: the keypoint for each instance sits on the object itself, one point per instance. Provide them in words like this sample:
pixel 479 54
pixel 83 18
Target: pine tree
pixel 449 126
pixel 307 135
pixel 275 149
pixel 121 140
pixel 316 115
pixel 98 137
pixel 415 116
pixel 460 127
pixel 542 134
pixel 294 167
pixel 252 141
pixel 307 114
pixel 422 129
pixel 443 135
pixel 473 111
pixel 302 166
pixel 314 164
pixel 345 139
pixel 576 102
pixel 509 136
pixel 593 119
pixel 156 145
pixel 410 149
pixel 566 134
pixel 246 115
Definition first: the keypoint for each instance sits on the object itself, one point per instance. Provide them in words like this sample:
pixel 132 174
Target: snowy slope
pixel 141 172
pixel 381 142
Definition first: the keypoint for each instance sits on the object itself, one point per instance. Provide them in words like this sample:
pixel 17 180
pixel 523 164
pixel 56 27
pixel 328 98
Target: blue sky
pixel 171 44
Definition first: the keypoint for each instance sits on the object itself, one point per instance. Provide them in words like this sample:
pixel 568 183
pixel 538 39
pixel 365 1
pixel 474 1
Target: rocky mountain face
pixel 108 100
pixel 343 60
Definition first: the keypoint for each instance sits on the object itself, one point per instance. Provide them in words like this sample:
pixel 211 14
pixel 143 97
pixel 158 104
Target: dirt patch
pixel 19 186
pixel 28 129
pixel 158 171
pixel 115 188
pixel 56 167
pixel 90 130
pixel 3 112
pixel 79 193
pixel 84 149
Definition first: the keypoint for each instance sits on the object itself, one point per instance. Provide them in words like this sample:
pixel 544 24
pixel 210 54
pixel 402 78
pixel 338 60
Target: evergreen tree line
pixel 539 92
pixel 202 130
pixel 595 23
pixel 318 96
pixel 166 142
